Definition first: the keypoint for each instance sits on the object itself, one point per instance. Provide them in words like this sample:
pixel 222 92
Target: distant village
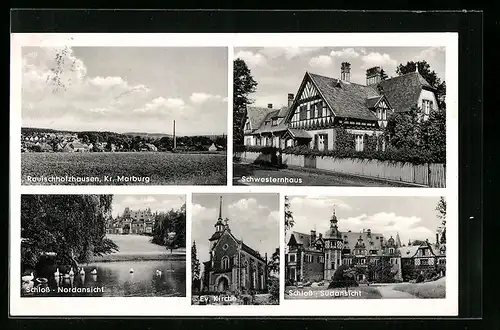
pixel 35 140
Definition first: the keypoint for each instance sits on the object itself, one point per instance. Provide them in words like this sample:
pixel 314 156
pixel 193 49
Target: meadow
pixel 161 168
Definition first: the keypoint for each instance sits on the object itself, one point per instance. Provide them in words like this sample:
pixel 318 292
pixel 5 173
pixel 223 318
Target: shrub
pixel 342 278
pixel 273 285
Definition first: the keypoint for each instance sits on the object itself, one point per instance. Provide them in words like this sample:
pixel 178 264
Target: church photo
pixel 365 247
pixel 235 249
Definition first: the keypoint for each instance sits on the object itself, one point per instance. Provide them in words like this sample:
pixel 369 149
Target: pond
pixel 115 279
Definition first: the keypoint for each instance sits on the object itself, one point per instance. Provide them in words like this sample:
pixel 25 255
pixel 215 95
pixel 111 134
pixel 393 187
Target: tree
pixel 195 268
pixel 71 226
pixel 243 85
pixel 431 76
pixel 403 129
pixel 433 133
pixel 289 222
pixel 383 74
pixel 173 221
pixel 441 209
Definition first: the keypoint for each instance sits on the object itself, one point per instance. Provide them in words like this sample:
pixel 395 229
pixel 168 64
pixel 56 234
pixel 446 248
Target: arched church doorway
pixel 222 284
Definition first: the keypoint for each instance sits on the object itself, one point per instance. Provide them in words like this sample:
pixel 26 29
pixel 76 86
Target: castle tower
pixel 333 248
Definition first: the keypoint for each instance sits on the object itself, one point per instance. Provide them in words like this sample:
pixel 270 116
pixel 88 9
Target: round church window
pixel 225 246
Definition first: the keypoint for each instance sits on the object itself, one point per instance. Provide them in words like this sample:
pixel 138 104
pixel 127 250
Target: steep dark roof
pixel 344 98
pixel 257 115
pixel 268 127
pixel 215 236
pixel 352 238
pixel 403 91
pixel 251 251
pixel 299 133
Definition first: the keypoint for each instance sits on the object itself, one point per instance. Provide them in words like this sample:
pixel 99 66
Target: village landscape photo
pixel 365 247
pixel 124 116
pixel 103 245
pixel 235 255
pixel 339 116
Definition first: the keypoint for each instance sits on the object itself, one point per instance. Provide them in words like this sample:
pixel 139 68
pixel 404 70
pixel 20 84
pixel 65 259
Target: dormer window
pixel 275 121
pixel 266 122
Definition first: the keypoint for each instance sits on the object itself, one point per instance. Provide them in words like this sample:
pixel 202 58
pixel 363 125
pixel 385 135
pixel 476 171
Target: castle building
pixel 233 265
pixel 134 222
pixel 312 257
pixel 322 105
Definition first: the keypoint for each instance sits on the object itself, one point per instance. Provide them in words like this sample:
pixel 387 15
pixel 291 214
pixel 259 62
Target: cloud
pixel 348 53
pixel 430 53
pixel 377 59
pixel 204 97
pixel 288 52
pixel 314 212
pixel 321 61
pixel 59 93
pixel 251 59
pixel 160 103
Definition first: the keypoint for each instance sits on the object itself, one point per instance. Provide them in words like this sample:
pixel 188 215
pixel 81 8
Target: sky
pixel 279 71
pixel 126 89
pixel 252 217
pixel 412 217
pixel 160 203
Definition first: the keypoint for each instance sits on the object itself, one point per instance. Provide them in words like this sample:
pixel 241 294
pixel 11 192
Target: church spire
pixel 333 220
pixel 220 208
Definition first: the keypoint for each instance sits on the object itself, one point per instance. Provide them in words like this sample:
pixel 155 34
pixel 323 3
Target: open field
pixel 120 168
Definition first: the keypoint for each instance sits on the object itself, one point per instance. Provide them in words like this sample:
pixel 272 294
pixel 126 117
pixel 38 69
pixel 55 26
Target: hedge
pixel 391 155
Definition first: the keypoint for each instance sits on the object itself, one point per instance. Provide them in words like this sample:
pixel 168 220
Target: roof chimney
pixel 373 75
pixel 290 99
pixel 345 71
pixel 270 105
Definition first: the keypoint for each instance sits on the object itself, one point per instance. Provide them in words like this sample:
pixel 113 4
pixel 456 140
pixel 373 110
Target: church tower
pixel 219 227
pixel 333 248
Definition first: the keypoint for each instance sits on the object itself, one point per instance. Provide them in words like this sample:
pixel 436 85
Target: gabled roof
pixel 403 91
pixel 408 251
pixel 257 115
pixel 352 239
pixel 345 99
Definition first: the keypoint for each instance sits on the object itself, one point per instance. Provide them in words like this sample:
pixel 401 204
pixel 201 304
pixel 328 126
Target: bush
pixel 413 156
pixel 273 285
pixel 340 279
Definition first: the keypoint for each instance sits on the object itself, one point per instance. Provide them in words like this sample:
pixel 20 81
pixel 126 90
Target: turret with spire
pixel 219 225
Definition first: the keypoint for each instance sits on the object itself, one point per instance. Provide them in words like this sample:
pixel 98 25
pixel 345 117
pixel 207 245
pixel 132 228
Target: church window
pixel 225 262
pixel 247 126
pixel 225 246
pixel 391 250
pixel 235 259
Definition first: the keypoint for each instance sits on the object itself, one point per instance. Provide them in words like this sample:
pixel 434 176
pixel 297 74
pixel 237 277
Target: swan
pixel 66 276
pixel 94 271
pixel 28 278
pixel 71 272
pixel 158 272
pixel 131 270
pixel 56 273
pixel 82 271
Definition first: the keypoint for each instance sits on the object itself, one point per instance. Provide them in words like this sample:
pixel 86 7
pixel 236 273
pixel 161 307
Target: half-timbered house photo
pixel 235 259
pixel 365 247
pixel 314 113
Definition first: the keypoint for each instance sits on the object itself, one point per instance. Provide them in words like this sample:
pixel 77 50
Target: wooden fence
pixel 431 175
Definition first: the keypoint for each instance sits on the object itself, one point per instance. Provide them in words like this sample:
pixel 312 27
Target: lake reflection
pixel 115 279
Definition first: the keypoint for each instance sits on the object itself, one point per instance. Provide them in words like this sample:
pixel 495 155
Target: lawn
pixel 322 292
pixel 161 168
pixel 435 289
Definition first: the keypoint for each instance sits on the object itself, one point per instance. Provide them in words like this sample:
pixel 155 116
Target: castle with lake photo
pixel 71 245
